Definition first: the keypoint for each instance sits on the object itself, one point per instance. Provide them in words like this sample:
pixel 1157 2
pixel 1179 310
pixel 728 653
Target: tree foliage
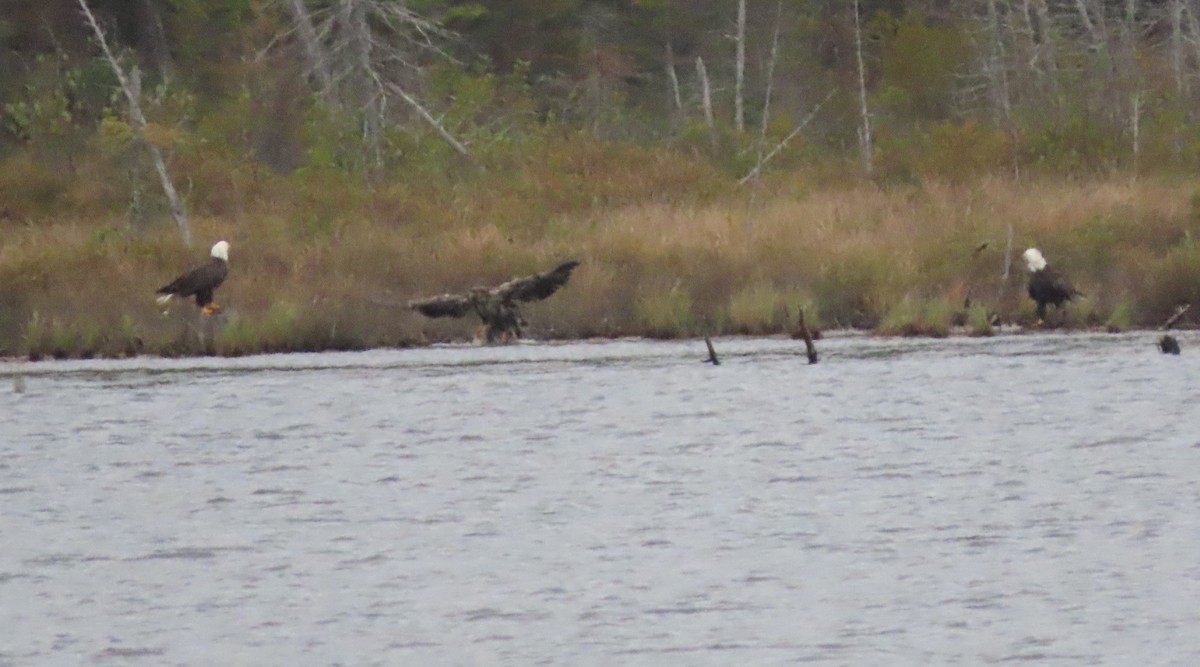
pixel 1086 85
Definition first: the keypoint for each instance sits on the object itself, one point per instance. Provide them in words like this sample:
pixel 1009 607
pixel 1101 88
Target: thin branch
pixel 441 130
pixel 783 144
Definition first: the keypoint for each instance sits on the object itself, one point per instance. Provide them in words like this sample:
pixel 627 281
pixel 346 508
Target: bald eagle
pixel 1047 286
pixel 498 306
pixel 201 281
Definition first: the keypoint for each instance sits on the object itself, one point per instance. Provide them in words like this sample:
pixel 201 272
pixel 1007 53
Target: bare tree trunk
pixel 864 132
pixel 1177 46
pixel 1086 18
pixel 318 63
pixel 1135 110
pixel 766 112
pixel 739 114
pixel 354 22
pixel 1046 46
pixel 998 68
pixel 1193 30
pixel 673 80
pixel 706 101
pixel 139 121
pixel 156 36
pixel 1008 250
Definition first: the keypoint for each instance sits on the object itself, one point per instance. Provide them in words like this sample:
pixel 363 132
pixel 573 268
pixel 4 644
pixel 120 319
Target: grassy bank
pixel 670 247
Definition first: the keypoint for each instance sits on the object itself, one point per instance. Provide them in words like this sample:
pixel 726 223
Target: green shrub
pixel 666 313
pixel 917 317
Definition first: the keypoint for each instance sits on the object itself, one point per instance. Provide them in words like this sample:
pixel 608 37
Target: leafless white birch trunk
pixel 1176 11
pixel 997 67
pixel 766 113
pixel 139 121
pixel 706 101
pixel 1047 49
pixel 673 80
pixel 739 112
pixel 1135 122
pixel 864 132
pixel 365 80
pixel 1193 26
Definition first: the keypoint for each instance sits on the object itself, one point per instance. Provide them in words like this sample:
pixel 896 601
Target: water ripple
pixel 967 501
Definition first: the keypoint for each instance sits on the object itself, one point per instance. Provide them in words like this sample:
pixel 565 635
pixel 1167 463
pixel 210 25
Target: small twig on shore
pixel 712 353
pixel 1008 248
pixel 1179 311
pixel 808 339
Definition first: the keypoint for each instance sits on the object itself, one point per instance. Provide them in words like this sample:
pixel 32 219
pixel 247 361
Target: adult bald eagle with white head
pixel 201 281
pixel 1046 285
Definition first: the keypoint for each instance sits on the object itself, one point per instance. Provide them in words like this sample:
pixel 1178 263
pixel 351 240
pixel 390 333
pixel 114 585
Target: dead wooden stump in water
pixel 808 339
pixel 712 353
pixel 1168 345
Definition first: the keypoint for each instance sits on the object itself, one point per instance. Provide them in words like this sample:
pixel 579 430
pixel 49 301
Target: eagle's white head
pixel 1034 260
pixel 220 250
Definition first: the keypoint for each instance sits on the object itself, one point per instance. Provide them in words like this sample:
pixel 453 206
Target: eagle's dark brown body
pixel 498 306
pixel 1047 286
pixel 201 281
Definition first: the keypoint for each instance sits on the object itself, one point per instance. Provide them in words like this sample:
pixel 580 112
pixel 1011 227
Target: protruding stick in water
pixel 808 339
pixel 712 353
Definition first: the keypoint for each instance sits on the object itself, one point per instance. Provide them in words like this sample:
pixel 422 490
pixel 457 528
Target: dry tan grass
pixel 317 269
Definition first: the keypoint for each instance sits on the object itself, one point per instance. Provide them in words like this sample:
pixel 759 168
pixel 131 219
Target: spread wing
pixel 538 286
pixel 205 278
pixel 443 305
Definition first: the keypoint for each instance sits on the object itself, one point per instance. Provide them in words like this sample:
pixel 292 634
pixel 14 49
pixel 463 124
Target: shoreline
pixel 1000 331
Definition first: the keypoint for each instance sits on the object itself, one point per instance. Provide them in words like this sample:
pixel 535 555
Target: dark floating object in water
pixel 712 353
pixel 1168 344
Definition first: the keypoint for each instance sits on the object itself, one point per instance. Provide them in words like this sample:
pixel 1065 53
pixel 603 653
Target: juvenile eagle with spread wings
pixel 498 306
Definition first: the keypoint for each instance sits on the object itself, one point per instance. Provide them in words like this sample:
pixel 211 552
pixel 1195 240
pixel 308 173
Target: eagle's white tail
pixel 164 298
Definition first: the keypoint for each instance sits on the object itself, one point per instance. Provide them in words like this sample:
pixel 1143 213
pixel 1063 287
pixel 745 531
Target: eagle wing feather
pixel 204 278
pixel 537 286
pixel 443 305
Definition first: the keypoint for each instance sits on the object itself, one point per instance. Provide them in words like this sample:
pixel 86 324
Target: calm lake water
pixel 904 502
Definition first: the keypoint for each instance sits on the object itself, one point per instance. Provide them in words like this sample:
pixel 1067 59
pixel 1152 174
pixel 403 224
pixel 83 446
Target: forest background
pixel 715 164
